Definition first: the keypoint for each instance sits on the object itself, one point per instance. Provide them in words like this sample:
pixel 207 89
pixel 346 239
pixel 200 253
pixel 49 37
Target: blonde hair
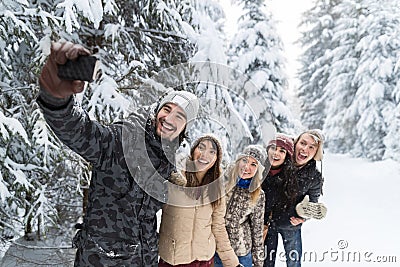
pixel 319 139
pixel 255 187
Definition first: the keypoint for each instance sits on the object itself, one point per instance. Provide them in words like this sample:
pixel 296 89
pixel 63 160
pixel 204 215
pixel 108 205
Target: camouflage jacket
pixel 119 227
pixel 244 224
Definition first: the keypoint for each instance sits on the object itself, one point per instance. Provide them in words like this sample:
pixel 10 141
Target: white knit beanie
pixel 186 100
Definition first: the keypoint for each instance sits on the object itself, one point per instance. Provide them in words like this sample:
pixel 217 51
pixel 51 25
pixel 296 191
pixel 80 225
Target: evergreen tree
pixel 375 77
pixel 31 155
pixel 340 90
pixel 316 40
pixel 40 179
pixel 209 74
pixel 257 52
pixel 353 89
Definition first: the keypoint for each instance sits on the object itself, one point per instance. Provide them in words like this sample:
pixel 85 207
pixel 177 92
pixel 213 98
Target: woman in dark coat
pixel 308 148
pixel 280 189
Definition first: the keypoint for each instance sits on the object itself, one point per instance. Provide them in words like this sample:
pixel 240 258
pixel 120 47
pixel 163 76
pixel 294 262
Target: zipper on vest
pixel 194 224
pixel 174 246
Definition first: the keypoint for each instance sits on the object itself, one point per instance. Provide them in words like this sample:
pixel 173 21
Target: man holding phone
pixel 131 161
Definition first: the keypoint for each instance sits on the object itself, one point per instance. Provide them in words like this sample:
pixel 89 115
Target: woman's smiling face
pixel 247 167
pixel 205 155
pixel 276 155
pixel 305 149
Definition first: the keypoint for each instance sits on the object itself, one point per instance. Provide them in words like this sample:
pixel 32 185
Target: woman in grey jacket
pixel 244 217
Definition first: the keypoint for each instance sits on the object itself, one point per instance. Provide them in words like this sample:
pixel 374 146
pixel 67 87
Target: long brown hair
pixel 290 186
pixel 211 175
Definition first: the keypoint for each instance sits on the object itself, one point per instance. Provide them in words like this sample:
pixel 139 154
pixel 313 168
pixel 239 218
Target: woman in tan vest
pixel 193 225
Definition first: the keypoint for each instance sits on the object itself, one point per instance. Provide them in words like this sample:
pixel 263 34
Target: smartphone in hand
pixel 84 68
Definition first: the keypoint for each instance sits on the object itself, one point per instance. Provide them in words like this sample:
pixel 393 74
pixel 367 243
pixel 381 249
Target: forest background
pixel 348 85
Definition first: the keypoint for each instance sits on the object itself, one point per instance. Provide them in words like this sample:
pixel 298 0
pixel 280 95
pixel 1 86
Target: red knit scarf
pixel 274 172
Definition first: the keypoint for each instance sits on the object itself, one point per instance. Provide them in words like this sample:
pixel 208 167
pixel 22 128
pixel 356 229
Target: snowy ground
pixel 55 251
pixel 361 225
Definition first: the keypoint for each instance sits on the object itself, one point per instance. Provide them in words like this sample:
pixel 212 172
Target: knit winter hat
pixel 255 151
pixel 186 100
pixel 284 141
pixel 319 139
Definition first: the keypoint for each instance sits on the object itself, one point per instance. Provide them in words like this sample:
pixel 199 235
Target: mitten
pixel 177 178
pixel 306 209
pixel 49 79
